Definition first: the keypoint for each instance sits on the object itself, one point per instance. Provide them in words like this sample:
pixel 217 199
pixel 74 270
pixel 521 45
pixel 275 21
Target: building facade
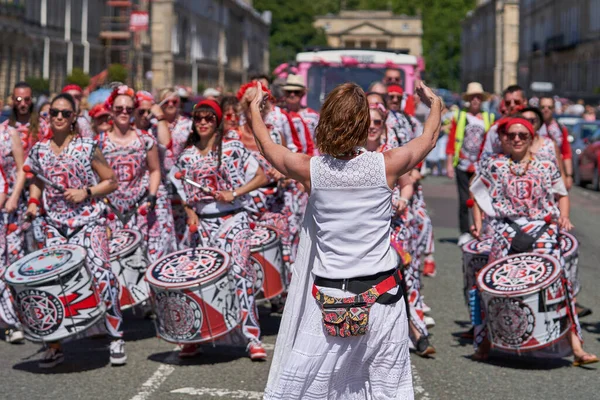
pixel 560 43
pixel 373 30
pixel 211 42
pixel 490 44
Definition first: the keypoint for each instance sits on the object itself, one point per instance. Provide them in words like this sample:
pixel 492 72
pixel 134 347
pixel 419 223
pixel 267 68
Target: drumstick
pixel 33 172
pixel 179 175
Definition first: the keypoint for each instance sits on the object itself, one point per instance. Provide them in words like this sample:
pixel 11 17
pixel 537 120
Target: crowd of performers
pixel 139 164
pixel 513 177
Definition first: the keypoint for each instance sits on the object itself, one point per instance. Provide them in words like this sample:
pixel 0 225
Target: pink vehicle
pixel 324 70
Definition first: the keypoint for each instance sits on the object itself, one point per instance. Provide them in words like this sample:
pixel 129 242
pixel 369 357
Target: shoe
pixel 424 348
pixel 429 267
pixel 257 352
pixel 468 335
pixel 582 311
pixel 464 239
pixel 429 322
pixel 117 352
pixel 14 336
pixel 426 308
pixel 51 358
pixel 189 350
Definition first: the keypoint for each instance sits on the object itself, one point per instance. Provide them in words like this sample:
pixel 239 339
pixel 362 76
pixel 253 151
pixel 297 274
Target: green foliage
pixel 38 85
pixel 117 73
pixel 78 77
pixel 292 29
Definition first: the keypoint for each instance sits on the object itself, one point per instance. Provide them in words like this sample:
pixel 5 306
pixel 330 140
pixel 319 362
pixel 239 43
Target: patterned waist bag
pixel 349 316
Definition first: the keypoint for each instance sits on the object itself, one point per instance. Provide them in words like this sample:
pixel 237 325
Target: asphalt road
pixel 154 372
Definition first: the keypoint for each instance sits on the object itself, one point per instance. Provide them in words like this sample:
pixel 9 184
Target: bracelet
pixel 234 194
pixel 404 199
pixel 161 118
pixel 152 200
pixel 34 201
pixel 569 175
pixel 89 192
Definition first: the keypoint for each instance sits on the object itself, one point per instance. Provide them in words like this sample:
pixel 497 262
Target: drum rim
pixel 268 246
pixel 574 249
pixel 185 285
pixel 465 248
pixel 130 249
pixel 53 275
pixel 523 292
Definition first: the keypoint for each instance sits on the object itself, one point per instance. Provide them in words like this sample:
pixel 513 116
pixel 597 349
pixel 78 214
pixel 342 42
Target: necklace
pixel 355 152
pixel 527 164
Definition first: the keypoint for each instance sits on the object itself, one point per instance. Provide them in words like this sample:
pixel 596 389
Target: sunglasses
pixel 78 97
pixel 532 121
pixel 44 114
pixel 230 117
pixel 208 118
pixel 392 79
pixel 512 101
pixel 546 107
pixel 173 102
pixel 143 111
pixel 377 122
pixel 394 97
pixel 65 113
pixel 121 110
pixel 21 99
pixel 294 92
pixel 513 135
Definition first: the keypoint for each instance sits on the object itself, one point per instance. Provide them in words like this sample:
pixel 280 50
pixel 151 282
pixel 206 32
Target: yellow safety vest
pixel 461 123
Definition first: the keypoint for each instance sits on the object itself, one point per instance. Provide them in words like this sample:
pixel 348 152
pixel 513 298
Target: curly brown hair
pixel 344 122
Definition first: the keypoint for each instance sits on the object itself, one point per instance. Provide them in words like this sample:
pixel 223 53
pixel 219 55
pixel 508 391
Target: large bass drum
pixel 526 302
pixel 475 256
pixel 193 295
pixel 569 248
pixel 267 259
pixel 55 294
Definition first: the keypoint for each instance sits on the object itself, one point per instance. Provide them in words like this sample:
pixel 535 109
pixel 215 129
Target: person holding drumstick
pixel 528 202
pixel 213 176
pixel 344 331
pixel 71 175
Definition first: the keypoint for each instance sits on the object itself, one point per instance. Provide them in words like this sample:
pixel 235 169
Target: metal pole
pixel 44 23
pixel 68 37
pixel 84 38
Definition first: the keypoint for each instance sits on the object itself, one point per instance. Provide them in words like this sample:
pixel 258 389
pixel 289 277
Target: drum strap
pixel 523 242
pixel 221 214
pixel 64 232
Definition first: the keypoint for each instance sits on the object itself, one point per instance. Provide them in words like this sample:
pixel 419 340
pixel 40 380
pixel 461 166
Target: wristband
pixel 161 118
pixel 34 201
pixel 404 199
pixel 569 175
pixel 89 192
pixel 152 200
pixel 234 193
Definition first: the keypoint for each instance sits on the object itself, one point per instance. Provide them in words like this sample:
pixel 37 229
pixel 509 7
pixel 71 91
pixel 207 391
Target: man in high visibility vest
pixel 467 134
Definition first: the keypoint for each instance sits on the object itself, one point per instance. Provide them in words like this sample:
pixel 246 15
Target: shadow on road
pixel 461 340
pixel 137 327
pixel 525 363
pixel 449 240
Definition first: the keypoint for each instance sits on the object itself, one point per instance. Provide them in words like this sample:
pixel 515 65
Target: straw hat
pixel 474 88
pixel 294 82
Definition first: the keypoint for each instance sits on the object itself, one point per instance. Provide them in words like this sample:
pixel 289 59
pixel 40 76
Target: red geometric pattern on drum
pixel 40 312
pixel 519 273
pixel 184 267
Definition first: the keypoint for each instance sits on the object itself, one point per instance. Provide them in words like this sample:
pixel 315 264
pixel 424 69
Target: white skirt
pixel 371 366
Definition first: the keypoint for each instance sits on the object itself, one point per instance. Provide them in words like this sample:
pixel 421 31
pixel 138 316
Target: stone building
pixel 373 30
pixel 560 43
pixel 490 44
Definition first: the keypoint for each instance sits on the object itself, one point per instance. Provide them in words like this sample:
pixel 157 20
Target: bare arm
pixel 163 133
pixel 402 159
pixel 563 221
pixel 108 180
pixel 293 165
pixel 35 193
pixel 154 169
pixel 19 156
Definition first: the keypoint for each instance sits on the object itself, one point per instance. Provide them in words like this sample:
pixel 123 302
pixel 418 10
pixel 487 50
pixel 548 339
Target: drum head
pixel 188 268
pixel 123 242
pixel 45 264
pixel 263 237
pixel 519 274
pixel 568 244
pixel 478 246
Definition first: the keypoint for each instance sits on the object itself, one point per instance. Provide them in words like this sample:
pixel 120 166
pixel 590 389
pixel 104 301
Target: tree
pixel 38 85
pixel 78 77
pixel 117 73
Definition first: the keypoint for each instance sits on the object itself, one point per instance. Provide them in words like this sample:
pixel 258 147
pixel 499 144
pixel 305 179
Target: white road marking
pixel 418 388
pixel 157 378
pixel 223 393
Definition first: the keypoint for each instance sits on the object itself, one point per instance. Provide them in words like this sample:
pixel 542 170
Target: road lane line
pixel 418 388
pixel 223 393
pixel 157 378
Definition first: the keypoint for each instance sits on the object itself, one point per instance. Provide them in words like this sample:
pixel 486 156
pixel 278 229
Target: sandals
pixel 586 359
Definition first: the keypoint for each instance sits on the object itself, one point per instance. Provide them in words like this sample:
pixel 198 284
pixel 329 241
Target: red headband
pixel 72 87
pixel 142 95
pixel 395 89
pixel 98 110
pixel 212 105
pixel 245 87
pixel 520 121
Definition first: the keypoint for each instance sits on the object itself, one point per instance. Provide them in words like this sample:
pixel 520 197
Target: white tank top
pixel 352 209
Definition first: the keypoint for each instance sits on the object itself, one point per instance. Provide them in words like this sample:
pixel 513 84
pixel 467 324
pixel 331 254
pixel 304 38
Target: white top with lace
pixel 352 211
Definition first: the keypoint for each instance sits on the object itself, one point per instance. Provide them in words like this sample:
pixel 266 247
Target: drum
pixel 55 294
pixel 475 256
pixel 267 259
pixel 569 248
pixel 525 301
pixel 193 295
pixel 128 262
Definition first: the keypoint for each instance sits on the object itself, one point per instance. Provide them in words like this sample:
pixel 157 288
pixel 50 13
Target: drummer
pixel 133 155
pixel 540 208
pixel 227 171
pixel 74 213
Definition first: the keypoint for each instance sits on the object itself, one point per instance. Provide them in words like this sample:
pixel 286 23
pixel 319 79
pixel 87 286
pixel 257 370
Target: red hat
pixel 98 110
pixel 72 87
pixel 520 121
pixel 212 105
pixel 395 89
pixel 142 95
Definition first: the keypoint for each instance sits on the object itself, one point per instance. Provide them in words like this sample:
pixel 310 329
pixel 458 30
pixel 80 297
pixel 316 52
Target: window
pixel 365 44
pixel 405 27
pixel 350 44
pixel 595 15
pixel 381 44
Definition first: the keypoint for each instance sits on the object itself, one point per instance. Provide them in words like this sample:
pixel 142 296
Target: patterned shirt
pixel 180 129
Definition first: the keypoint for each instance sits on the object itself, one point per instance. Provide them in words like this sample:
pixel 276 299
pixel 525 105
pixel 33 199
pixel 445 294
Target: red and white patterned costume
pixel 560 135
pixel 231 232
pixel 180 129
pixel 83 223
pixel 305 135
pixel 130 166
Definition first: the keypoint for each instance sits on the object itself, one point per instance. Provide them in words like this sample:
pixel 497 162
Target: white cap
pixel 211 92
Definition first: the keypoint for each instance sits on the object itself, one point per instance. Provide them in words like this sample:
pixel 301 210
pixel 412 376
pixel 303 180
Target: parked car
pixel 588 162
pixel 569 121
pixel 579 136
